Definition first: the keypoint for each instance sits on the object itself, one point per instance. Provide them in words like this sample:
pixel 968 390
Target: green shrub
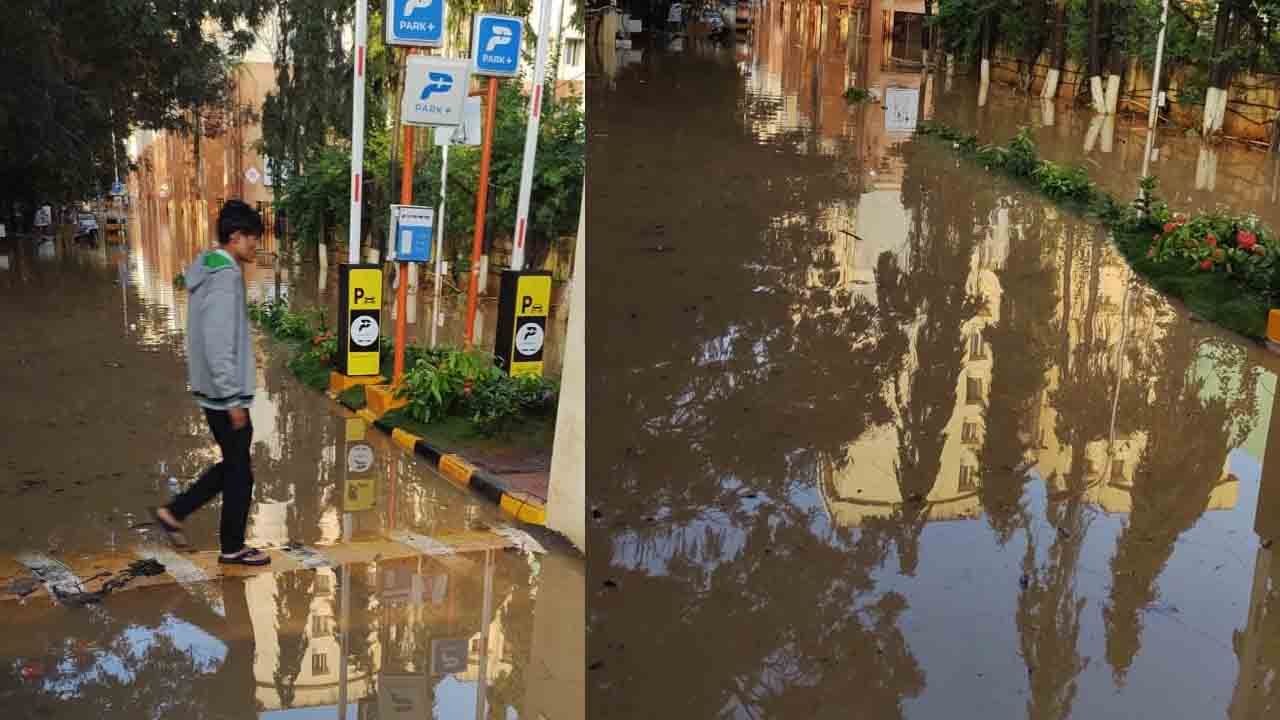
pixel 856 95
pixel 498 401
pixel 1218 242
pixel 1223 266
pixel 444 382
pixel 435 389
pixel 1060 182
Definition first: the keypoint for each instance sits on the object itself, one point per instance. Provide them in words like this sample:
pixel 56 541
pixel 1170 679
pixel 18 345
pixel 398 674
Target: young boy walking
pixel 222 372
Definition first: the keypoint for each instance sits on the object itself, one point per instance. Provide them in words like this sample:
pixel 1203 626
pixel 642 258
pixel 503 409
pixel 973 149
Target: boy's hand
pixel 239 418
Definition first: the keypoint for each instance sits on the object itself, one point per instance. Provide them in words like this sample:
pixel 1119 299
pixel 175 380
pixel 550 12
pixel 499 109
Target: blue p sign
pixel 437 82
pixel 415 22
pixel 497 45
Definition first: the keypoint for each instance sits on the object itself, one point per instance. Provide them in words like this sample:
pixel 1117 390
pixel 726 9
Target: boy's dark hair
pixel 237 216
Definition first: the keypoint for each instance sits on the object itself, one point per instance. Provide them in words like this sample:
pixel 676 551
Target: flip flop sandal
pixel 172 532
pixel 248 556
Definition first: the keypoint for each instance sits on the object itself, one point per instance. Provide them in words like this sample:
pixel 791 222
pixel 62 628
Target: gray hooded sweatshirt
pixel 220 360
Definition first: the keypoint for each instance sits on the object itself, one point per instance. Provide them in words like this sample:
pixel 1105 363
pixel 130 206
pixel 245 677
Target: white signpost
pixel 435 90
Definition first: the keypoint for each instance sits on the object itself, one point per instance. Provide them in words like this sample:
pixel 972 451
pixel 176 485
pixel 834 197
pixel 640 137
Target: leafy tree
pixel 71 74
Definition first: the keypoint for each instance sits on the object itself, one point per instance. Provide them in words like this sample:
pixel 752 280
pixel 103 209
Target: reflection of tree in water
pixel 1049 614
pixel 931 296
pixel 756 606
pixel 1190 431
pixel 294 593
pixel 1021 349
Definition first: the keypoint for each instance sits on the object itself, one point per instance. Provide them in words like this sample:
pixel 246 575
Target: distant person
pixel 222 372
pixel 44 218
pixel 675 18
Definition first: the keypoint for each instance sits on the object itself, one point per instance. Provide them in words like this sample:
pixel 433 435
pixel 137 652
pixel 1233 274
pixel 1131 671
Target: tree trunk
pixel 1059 47
pixel 1095 38
pixel 1220 71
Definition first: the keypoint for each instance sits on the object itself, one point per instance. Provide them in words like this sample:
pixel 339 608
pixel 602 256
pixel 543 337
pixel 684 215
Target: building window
pixel 573 52
pixel 320 664
pixel 968 478
pixel 321 626
pixel 973 391
pixel 970 434
pixel 324 585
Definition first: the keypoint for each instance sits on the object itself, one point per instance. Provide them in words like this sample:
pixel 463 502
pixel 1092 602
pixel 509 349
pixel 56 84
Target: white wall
pixel 567 501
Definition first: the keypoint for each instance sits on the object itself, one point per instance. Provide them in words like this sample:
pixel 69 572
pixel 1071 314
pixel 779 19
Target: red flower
pixel 1212 240
pixel 1206 265
pixel 1180 218
pixel 1151 253
pixel 1170 227
pixel 1219 254
pixel 1246 239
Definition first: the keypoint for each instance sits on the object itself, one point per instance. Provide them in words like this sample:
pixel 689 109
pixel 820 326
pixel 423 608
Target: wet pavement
pixel 889 437
pixel 392 593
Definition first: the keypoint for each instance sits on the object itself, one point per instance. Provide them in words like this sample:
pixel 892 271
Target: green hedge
pixel 439 383
pixel 1222 266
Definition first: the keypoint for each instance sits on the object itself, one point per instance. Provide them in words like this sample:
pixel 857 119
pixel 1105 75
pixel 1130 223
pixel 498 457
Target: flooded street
pixel 890 437
pixel 392 592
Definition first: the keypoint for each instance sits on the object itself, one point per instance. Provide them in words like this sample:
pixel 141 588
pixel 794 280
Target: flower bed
pixel 1221 265
pixel 439 383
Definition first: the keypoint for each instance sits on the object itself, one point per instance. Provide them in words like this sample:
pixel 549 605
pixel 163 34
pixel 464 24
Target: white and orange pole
pixel 357 128
pixel 531 137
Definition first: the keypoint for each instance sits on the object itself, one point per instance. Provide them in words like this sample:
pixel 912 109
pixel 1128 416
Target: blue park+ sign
pixel 416 22
pixel 497 45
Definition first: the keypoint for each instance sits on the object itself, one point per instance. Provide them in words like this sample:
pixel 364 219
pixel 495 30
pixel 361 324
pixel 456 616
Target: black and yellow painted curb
pixel 521 506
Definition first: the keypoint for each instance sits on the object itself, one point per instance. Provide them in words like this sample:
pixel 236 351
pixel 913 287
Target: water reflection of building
pixel 1099 313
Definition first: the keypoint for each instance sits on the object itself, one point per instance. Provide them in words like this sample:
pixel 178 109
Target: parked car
pixel 87 227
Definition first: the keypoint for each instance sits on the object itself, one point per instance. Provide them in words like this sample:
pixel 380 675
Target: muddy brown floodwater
pixel 401 596
pixel 888 437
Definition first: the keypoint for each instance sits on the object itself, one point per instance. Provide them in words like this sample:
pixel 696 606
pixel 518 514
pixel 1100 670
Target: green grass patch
pixel 1222 267
pixel 454 433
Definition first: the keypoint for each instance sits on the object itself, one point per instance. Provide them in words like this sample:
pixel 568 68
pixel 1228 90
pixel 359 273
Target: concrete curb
pixel 522 506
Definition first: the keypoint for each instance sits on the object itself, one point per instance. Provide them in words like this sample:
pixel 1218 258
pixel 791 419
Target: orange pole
pixel 482 197
pixel 402 292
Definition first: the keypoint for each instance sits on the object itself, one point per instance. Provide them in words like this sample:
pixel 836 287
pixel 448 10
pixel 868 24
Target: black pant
pixel 233 478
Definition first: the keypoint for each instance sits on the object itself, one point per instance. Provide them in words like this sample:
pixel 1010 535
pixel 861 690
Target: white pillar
pixel 1050 90
pixel 567 498
pixel 1113 94
pixel 1108 133
pixel 1099 97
